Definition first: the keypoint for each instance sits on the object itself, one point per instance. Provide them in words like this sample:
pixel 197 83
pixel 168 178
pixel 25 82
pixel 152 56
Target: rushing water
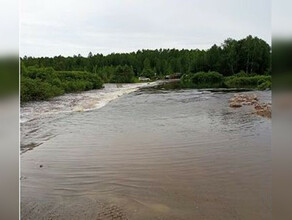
pixel 149 154
pixel 36 115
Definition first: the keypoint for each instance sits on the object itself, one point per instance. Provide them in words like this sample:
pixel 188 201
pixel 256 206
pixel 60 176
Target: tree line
pixel 251 55
pixel 242 63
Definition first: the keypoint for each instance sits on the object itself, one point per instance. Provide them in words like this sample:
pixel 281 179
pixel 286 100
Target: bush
pixel 202 80
pixel 45 83
pixel 106 73
pixel 148 73
pixel 123 74
pixel 38 73
pixel 265 85
pixel 76 81
pixel 257 81
pixel 35 90
pixel 216 80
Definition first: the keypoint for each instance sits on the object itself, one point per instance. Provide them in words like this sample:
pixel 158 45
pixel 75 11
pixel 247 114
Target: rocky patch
pixel 262 109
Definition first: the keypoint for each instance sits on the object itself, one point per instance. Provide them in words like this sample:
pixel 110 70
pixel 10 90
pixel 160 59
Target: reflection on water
pixel 152 154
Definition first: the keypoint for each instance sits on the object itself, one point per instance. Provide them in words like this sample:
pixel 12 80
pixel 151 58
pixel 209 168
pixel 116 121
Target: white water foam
pixel 79 102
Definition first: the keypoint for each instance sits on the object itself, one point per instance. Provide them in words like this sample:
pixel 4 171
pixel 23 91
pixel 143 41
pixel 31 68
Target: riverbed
pixel 141 152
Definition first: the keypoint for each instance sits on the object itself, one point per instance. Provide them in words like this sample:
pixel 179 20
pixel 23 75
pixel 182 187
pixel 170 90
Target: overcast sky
pixel 68 27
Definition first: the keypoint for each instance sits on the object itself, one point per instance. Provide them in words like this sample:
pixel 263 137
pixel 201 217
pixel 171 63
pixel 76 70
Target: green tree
pixel 123 74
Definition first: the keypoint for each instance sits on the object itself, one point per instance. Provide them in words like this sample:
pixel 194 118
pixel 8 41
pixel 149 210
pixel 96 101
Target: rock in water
pixel 262 109
pixel 235 105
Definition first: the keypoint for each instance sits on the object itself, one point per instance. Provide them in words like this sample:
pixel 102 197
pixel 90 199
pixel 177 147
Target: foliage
pixel 74 81
pixel 149 73
pixel 45 77
pixel 35 89
pixel 202 80
pixel 265 85
pixel 256 81
pixel 215 80
pixel 123 74
pixel 106 73
pixel 45 83
pixel 250 54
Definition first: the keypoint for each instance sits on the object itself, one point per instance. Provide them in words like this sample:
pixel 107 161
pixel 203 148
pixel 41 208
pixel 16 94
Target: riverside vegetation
pixel 217 80
pixel 241 63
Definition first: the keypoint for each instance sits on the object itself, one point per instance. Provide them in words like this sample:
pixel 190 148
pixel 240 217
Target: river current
pixel 141 152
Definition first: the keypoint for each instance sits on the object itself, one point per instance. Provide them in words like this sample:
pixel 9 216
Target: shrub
pixel 106 73
pixel 215 80
pixel 123 74
pixel 202 80
pixel 147 72
pixel 45 83
pixel 265 85
pixel 257 81
pixel 38 73
pixel 35 89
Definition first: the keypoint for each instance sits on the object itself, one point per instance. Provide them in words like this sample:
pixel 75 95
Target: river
pixel 141 152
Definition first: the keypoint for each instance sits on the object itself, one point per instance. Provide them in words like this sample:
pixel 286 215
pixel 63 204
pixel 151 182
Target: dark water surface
pixel 152 154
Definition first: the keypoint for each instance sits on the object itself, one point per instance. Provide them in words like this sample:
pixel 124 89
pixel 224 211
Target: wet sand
pixel 152 154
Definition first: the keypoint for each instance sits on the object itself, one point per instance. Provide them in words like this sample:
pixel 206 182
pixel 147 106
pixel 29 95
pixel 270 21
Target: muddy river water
pixel 127 152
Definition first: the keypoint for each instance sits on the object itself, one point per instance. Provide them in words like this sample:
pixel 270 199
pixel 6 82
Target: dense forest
pixel 251 55
pixel 246 58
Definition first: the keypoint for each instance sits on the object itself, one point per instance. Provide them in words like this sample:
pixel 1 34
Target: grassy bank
pixel 216 80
